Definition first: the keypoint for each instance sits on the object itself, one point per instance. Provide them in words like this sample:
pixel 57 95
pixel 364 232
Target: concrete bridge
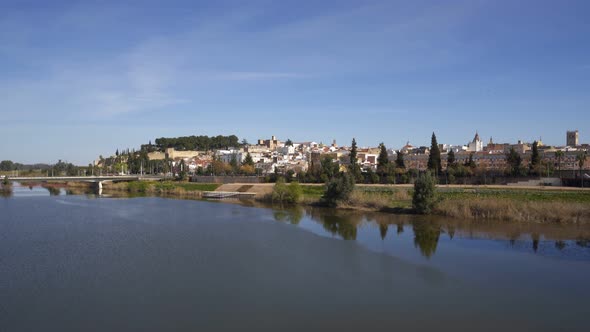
pixel 111 178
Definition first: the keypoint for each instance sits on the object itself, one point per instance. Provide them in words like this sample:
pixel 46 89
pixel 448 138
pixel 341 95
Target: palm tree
pixel 558 155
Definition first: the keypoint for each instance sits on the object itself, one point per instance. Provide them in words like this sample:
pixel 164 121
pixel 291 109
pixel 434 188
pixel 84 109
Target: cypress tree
pixel 354 166
pixel 399 161
pixel 353 153
pixel 514 160
pixel 450 158
pixel 248 160
pixel 382 160
pixel 535 158
pixel 434 162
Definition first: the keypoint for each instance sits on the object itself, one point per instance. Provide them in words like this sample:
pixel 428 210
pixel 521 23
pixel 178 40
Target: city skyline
pixel 83 79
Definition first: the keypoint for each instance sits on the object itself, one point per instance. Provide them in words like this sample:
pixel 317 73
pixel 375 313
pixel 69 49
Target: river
pixel 89 263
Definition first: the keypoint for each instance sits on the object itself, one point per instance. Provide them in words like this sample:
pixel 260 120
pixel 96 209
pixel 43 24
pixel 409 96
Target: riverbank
pixel 558 205
pixel 169 188
pixel 495 203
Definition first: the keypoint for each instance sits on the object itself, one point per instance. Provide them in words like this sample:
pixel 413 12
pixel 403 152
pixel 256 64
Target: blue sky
pixel 80 79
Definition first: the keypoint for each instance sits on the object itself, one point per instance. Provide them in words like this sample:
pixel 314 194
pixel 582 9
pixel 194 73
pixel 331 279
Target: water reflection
pixel 339 226
pixel 426 235
pixel 292 214
pixel 549 239
pixel 53 191
pixel 560 244
pixel 5 191
pixel 383 230
pixel 535 238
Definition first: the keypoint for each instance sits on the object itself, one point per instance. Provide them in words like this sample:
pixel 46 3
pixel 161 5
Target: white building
pixel 227 155
pixel 476 145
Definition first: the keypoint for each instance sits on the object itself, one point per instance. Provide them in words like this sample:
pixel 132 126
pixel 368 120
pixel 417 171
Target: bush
pixel 338 189
pixel 284 193
pixel 137 186
pixel 424 198
pixel 295 191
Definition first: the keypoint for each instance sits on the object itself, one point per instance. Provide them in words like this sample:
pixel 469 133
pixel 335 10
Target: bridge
pixel 110 178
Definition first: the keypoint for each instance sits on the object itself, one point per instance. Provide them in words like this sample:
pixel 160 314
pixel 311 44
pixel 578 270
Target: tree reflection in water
pixel 584 243
pixel 292 215
pixel 535 238
pixel 426 235
pixel 427 230
pixel 383 230
pixel 5 191
pixel 400 228
pixel 341 226
pixel 52 190
pixel 560 244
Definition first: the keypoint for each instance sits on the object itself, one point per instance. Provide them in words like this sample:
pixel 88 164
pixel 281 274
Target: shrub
pixel 137 186
pixel 424 198
pixel 338 189
pixel 284 193
pixel 295 191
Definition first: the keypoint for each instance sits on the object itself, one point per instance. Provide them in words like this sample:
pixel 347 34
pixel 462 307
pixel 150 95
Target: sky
pixel 79 79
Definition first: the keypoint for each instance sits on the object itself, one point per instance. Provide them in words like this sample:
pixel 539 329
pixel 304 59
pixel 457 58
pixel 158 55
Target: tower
pixel 572 138
pixel 476 145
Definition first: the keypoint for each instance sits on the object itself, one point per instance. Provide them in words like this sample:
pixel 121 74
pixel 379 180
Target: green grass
pixel 312 191
pixel 520 195
pixel 188 186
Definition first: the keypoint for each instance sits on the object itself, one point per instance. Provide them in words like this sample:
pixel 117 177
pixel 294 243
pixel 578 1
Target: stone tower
pixel 572 138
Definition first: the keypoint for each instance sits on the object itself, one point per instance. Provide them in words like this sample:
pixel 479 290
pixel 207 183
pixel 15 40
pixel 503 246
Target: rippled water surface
pixel 87 263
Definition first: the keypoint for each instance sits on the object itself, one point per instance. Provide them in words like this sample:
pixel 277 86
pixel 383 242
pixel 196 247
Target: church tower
pixel 476 145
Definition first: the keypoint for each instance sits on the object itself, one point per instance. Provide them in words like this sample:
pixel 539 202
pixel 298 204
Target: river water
pixel 88 263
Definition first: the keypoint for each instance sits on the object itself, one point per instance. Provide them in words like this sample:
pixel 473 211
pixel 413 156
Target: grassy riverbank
pixel 517 205
pixel 171 188
pixel 469 203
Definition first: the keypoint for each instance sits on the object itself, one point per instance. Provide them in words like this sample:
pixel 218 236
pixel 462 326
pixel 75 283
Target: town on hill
pixel 474 162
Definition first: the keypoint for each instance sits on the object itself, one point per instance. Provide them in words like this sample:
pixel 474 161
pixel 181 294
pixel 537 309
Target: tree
pixel 470 162
pixel 400 160
pixel 328 169
pixel 382 159
pixel 354 168
pixel 284 193
pixel 424 198
pixel 559 155
pixel 371 177
pixel 248 160
pixel 289 142
pixel 233 162
pixel 338 189
pixel 451 159
pixel 182 174
pixel 514 161
pixel 6 165
pixel 434 162
pixel 535 158
pixel 353 153
pixel 247 170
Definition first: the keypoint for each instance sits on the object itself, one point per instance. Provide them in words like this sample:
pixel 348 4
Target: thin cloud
pixel 254 76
